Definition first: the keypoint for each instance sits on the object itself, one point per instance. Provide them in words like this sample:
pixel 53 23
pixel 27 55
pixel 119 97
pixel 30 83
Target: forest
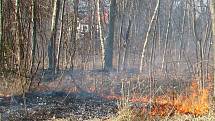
pixel 107 60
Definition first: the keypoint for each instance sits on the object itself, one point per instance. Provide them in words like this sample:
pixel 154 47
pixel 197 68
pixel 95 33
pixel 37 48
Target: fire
pixel 196 102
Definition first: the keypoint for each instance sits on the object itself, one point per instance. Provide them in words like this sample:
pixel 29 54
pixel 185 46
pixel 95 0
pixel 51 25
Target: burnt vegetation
pixel 112 60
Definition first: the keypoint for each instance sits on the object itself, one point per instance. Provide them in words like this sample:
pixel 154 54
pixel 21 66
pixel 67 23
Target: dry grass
pixel 129 115
pixel 73 119
pixel 12 86
pixel 124 115
pixel 63 119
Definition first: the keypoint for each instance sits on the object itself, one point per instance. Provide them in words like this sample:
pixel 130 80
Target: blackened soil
pixel 48 105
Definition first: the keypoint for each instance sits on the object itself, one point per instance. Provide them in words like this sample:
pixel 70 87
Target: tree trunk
pixel 52 41
pixel 1 32
pixel 33 36
pixel 213 29
pixel 147 35
pixel 73 34
pixel 119 46
pixel 17 36
pixel 100 31
pixel 181 50
pixel 167 40
pixel 126 47
pixel 60 36
pixel 110 39
pixel 199 49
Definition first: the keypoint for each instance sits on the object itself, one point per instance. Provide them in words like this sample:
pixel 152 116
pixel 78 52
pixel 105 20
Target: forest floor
pixel 54 105
pixel 61 106
pixel 73 98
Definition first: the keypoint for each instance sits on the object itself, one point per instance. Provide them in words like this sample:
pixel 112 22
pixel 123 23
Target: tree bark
pixel 60 36
pixel 147 34
pixel 17 36
pixel 1 32
pixel 100 31
pixel 212 6
pixel 110 39
pixel 73 34
pixel 52 41
pixel 33 36
pixel 167 39
pixel 126 47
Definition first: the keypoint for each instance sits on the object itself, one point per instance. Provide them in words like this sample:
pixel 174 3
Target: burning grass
pixel 195 103
pixel 127 114
pixel 191 103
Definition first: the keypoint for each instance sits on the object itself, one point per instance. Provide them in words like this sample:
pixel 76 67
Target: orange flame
pixel 196 103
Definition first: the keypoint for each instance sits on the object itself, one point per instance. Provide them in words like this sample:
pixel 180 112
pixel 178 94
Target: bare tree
pixel 212 7
pixel 34 30
pixel 126 46
pixel 17 34
pixel 73 36
pixel 100 31
pixel 153 20
pixel 60 36
pixel 52 41
pixel 167 37
pixel 1 32
pixel 110 39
